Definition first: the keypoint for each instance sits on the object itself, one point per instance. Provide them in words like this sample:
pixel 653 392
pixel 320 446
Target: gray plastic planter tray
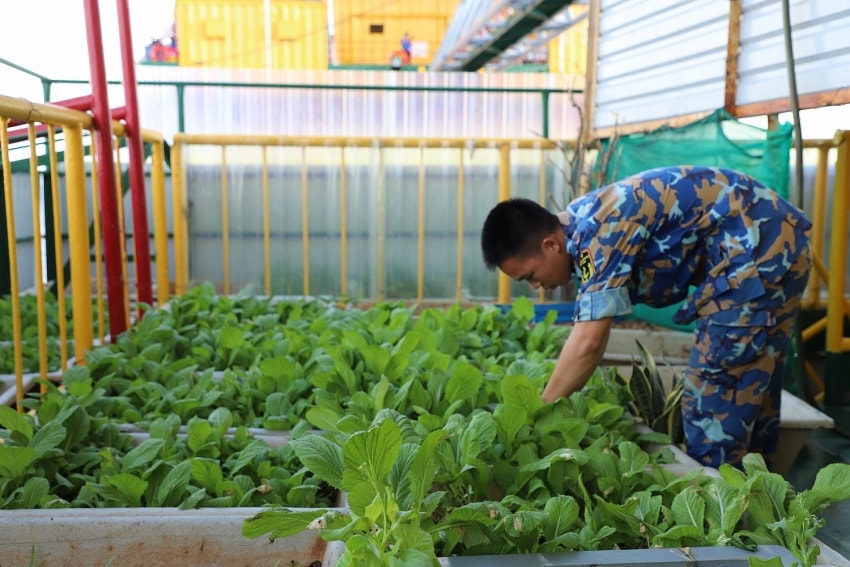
pixel 694 557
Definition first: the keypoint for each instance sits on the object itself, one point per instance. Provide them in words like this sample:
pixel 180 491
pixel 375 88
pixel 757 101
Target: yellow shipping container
pixel 369 32
pixel 238 34
pixel 568 51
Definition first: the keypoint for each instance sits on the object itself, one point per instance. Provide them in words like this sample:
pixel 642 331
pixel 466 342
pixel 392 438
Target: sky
pixel 56 47
pixel 55 44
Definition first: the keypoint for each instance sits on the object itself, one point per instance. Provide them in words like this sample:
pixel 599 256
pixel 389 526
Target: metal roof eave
pixel 475 52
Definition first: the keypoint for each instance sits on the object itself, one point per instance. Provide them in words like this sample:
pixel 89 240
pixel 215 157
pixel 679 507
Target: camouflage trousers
pixel 733 384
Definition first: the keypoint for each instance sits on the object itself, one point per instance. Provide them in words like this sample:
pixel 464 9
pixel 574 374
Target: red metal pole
pixel 106 173
pixel 141 236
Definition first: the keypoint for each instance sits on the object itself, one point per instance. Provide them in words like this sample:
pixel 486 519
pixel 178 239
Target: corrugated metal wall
pixel 666 59
pixel 327 103
pixel 659 59
pixel 821 49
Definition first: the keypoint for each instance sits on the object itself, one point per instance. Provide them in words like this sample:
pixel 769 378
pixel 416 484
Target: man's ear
pixel 551 244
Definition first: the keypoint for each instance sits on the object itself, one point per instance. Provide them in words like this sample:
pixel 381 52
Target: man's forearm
pixel 578 359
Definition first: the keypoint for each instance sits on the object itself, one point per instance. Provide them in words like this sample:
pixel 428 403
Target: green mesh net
pixel 716 140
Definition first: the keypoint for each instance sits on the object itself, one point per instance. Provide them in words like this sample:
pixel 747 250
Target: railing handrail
pixel 363 141
pixel 46 113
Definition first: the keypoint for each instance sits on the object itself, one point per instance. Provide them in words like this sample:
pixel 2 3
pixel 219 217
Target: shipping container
pixel 369 32
pixel 568 51
pixel 252 34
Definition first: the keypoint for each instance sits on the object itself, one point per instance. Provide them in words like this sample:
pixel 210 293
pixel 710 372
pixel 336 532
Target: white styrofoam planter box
pixel 149 537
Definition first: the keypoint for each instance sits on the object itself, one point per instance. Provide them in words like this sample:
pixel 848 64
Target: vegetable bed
pixel 429 423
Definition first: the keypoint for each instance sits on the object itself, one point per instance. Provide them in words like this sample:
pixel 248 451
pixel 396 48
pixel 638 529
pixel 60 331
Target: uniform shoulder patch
pixel 585 264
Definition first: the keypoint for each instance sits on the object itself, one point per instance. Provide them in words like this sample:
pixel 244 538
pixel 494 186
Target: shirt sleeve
pixel 606 257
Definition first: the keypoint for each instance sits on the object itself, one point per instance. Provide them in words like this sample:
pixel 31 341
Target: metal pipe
pixel 267 263
pixel 225 224
pixel 141 233
pixel 109 206
pixel 343 226
pixel 835 392
pixel 362 141
pixel 382 224
pixel 460 202
pixel 180 214
pixel 98 245
pixel 35 189
pixel 504 294
pixel 305 225
pixel 122 228
pixel 541 198
pixel 420 237
pixel 819 221
pixel 160 220
pixel 13 262
pixel 812 330
pixel 78 242
pixel 57 249
pixel 25 111
pixel 181 108
pixel 790 66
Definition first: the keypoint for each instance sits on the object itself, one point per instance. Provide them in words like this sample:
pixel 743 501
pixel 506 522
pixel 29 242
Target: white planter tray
pixel 149 537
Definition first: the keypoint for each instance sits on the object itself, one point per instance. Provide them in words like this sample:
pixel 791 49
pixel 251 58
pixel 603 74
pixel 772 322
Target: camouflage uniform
pixel 737 254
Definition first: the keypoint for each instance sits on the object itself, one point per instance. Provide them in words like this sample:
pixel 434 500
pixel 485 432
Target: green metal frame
pixel 180 86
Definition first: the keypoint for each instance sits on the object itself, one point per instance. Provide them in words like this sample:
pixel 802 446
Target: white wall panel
pixel 328 103
pixel 659 59
pixel 821 49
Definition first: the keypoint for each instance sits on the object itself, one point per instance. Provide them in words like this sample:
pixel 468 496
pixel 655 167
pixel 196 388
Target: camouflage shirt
pixel 708 234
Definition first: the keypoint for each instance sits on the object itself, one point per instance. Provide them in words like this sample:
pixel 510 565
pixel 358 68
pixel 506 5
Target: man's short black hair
pixel 514 228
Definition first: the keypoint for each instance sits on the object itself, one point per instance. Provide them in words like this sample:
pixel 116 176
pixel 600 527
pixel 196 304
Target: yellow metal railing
pixel 832 276
pixel 342 145
pixel 837 306
pixel 73 125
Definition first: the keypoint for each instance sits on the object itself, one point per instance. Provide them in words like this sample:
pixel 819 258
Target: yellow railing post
pixel 57 249
pixel 382 225
pixel 505 147
pixel 11 237
pixel 460 203
pixel 305 224
pixel 541 198
pixel 225 223
pixel 836 390
pixel 343 226
pixel 819 222
pixel 179 214
pixel 504 195
pixel 160 226
pixel 78 236
pixel 420 236
pixel 35 187
pixel 267 248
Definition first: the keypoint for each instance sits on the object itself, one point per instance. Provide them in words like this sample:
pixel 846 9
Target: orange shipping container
pixel 238 34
